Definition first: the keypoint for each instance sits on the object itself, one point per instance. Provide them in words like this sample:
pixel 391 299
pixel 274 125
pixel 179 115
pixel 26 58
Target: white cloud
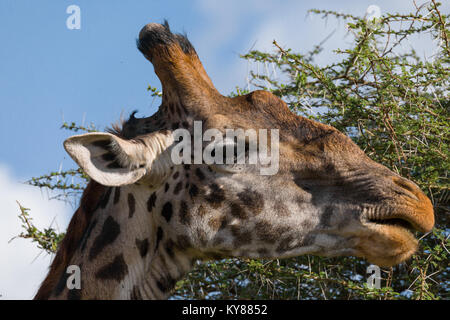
pixel 22 269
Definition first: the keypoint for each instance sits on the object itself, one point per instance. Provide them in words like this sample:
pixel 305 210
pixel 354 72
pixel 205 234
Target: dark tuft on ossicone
pixel 155 34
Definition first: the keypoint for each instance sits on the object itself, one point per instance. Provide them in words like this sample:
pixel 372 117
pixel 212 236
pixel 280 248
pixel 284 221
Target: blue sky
pixel 49 73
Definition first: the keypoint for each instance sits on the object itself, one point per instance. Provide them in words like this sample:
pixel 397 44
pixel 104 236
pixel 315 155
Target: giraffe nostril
pixel 406 185
pixel 419 212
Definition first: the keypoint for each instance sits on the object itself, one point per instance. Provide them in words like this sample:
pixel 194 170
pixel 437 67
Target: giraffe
pixel 144 221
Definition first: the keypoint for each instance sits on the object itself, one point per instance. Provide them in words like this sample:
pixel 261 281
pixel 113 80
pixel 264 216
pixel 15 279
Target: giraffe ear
pixel 113 161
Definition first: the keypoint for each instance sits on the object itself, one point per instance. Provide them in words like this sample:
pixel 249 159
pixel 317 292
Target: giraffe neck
pixel 123 251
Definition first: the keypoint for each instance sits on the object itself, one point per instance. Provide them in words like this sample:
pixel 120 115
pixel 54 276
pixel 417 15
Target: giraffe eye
pixel 235 156
pixel 231 154
pixel 235 152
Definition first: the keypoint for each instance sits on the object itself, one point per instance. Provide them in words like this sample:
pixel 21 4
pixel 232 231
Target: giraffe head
pixel 326 197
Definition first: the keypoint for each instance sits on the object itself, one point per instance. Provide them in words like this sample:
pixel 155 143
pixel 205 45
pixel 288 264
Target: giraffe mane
pixel 117 127
pixel 75 231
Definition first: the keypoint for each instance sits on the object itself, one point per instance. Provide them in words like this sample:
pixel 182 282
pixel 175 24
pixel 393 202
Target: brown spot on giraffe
pixel 216 196
pixel 241 237
pixel 135 293
pixel 167 211
pixel 131 205
pixel 87 234
pixel 142 246
pixel 185 217
pixel 159 236
pixel 105 199
pixel 238 211
pixel 253 200
pixel 151 201
pixel 178 188
pixel 116 270
pixel 266 232
pixel 165 284
pixel 109 233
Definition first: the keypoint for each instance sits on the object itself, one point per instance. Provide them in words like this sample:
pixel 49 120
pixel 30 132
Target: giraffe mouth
pixel 396 222
pixel 388 241
pixel 416 216
pixel 390 231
